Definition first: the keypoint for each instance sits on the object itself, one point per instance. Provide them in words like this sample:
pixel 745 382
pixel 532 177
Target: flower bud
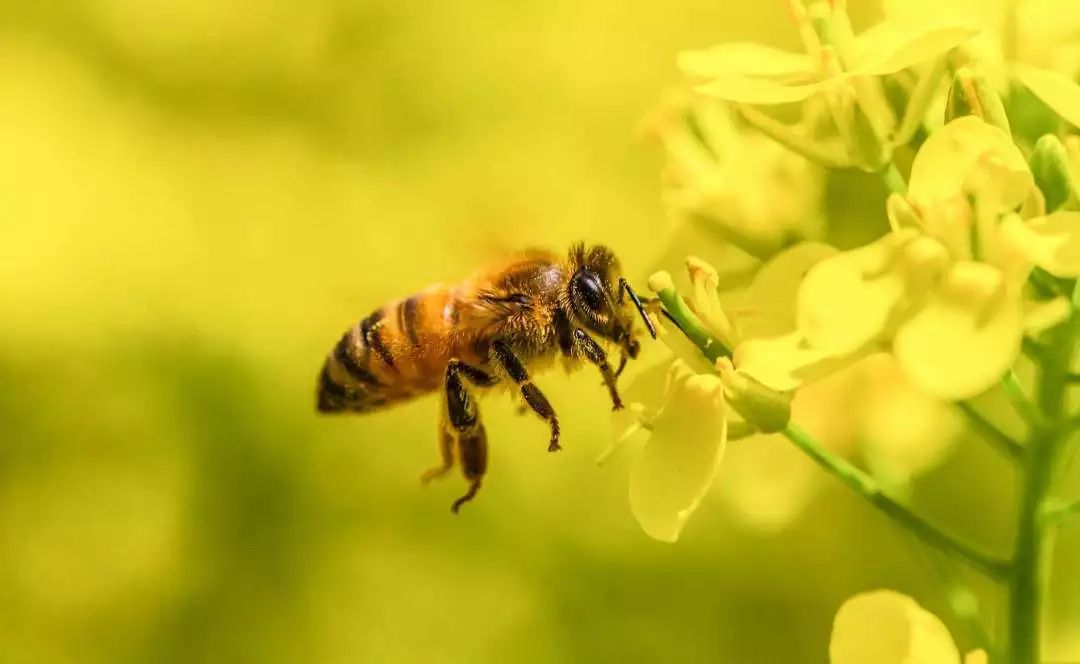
pixel 761 406
pixel 1050 166
pixel 971 94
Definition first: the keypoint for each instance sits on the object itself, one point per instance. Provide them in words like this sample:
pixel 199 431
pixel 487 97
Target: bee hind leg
pixel 464 416
pixel 473 449
pixel 446 452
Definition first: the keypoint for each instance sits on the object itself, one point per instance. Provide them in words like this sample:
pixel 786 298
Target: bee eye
pixel 590 290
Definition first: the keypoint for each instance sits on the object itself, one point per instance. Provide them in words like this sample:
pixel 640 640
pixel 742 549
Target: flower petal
pixel 1051 242
pixel 969 155
pixel 886 627
pixel 680 461
pixel 748 59
pixel 966 336
pixel 847 300
pixel 643 398
pixel 891 46
pixel 746 90
pixel 1057 91
pixel 785 362
pixel 772 294
pixel 905 431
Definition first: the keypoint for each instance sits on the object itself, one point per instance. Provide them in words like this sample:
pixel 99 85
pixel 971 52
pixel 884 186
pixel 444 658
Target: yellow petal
pixel 785 362
pixel 905 431
pixel 969 156
pixel 1051 242
pixel 1057 91
pixel 977 657
pixel 771 296
pixel 746 90
pixel 886 627
pixel 966 336
pixel 745 59
pixel 766 483
pixel 643 397
pixel 891 46
pixel 847 300
pixel 680 461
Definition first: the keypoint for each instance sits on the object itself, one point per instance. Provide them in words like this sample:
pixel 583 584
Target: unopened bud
pixel 1050 166
pixel 972 94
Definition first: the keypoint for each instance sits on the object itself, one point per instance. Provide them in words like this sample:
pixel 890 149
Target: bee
pixel 500 326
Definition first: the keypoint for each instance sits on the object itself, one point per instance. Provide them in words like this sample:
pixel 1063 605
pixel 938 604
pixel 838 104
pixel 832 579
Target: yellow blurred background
pixel 198 196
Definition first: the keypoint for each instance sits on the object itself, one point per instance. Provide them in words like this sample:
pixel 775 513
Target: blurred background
pixel 198 196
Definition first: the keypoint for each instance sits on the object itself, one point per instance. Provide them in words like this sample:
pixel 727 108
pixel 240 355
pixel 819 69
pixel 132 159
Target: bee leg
pixel 446 452
pixel 595 354
pixel 465 419
pixel 472 447
pixel 534 398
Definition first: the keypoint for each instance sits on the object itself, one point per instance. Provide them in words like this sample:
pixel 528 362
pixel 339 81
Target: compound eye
pixel 591 291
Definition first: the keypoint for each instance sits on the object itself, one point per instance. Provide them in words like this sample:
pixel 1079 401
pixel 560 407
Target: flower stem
pixel 1014 392
pixel 893 179
pixel 688 322
pixel 1000 440
pixel 1056 513
pixel 869 489
pixel 1031 555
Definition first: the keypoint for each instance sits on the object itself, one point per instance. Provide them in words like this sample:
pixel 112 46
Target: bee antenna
pixel 624 285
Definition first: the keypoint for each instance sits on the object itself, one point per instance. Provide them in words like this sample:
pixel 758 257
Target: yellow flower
pixel 1033 42
pixel 753 73
pixel 737 181
pixel 886 627
pixel 945 287
pixel 838 66
pixel 841 400
pixel 679 407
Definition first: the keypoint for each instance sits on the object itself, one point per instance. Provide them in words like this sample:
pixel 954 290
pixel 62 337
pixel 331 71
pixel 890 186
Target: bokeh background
pixel 198 196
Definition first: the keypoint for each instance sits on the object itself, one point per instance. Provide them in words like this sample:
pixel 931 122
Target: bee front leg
pixel 464 417
pixel 595 354
pixel 534 398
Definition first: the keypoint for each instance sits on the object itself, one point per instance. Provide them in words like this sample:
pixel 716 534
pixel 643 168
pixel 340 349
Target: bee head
pixel 597 294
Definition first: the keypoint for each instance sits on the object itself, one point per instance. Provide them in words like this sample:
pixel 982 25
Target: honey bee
pixel 497 327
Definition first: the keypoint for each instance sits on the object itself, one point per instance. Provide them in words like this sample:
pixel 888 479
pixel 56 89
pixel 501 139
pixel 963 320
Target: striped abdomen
pixel 398 352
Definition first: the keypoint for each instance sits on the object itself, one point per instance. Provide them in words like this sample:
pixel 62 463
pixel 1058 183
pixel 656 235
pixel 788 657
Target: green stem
pixel 893 179
pixel 870 490
pixel 1056 513
pixel 690 325
pixel 1000 440
pixel 1014 392
pixel 1030 557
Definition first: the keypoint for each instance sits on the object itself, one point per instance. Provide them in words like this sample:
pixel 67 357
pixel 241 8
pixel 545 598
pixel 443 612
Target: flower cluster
pixel 871 356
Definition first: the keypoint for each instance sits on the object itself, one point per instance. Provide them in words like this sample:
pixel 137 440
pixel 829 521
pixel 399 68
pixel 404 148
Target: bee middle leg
pixel 595 354
pixel 464 416
pixel 534 398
